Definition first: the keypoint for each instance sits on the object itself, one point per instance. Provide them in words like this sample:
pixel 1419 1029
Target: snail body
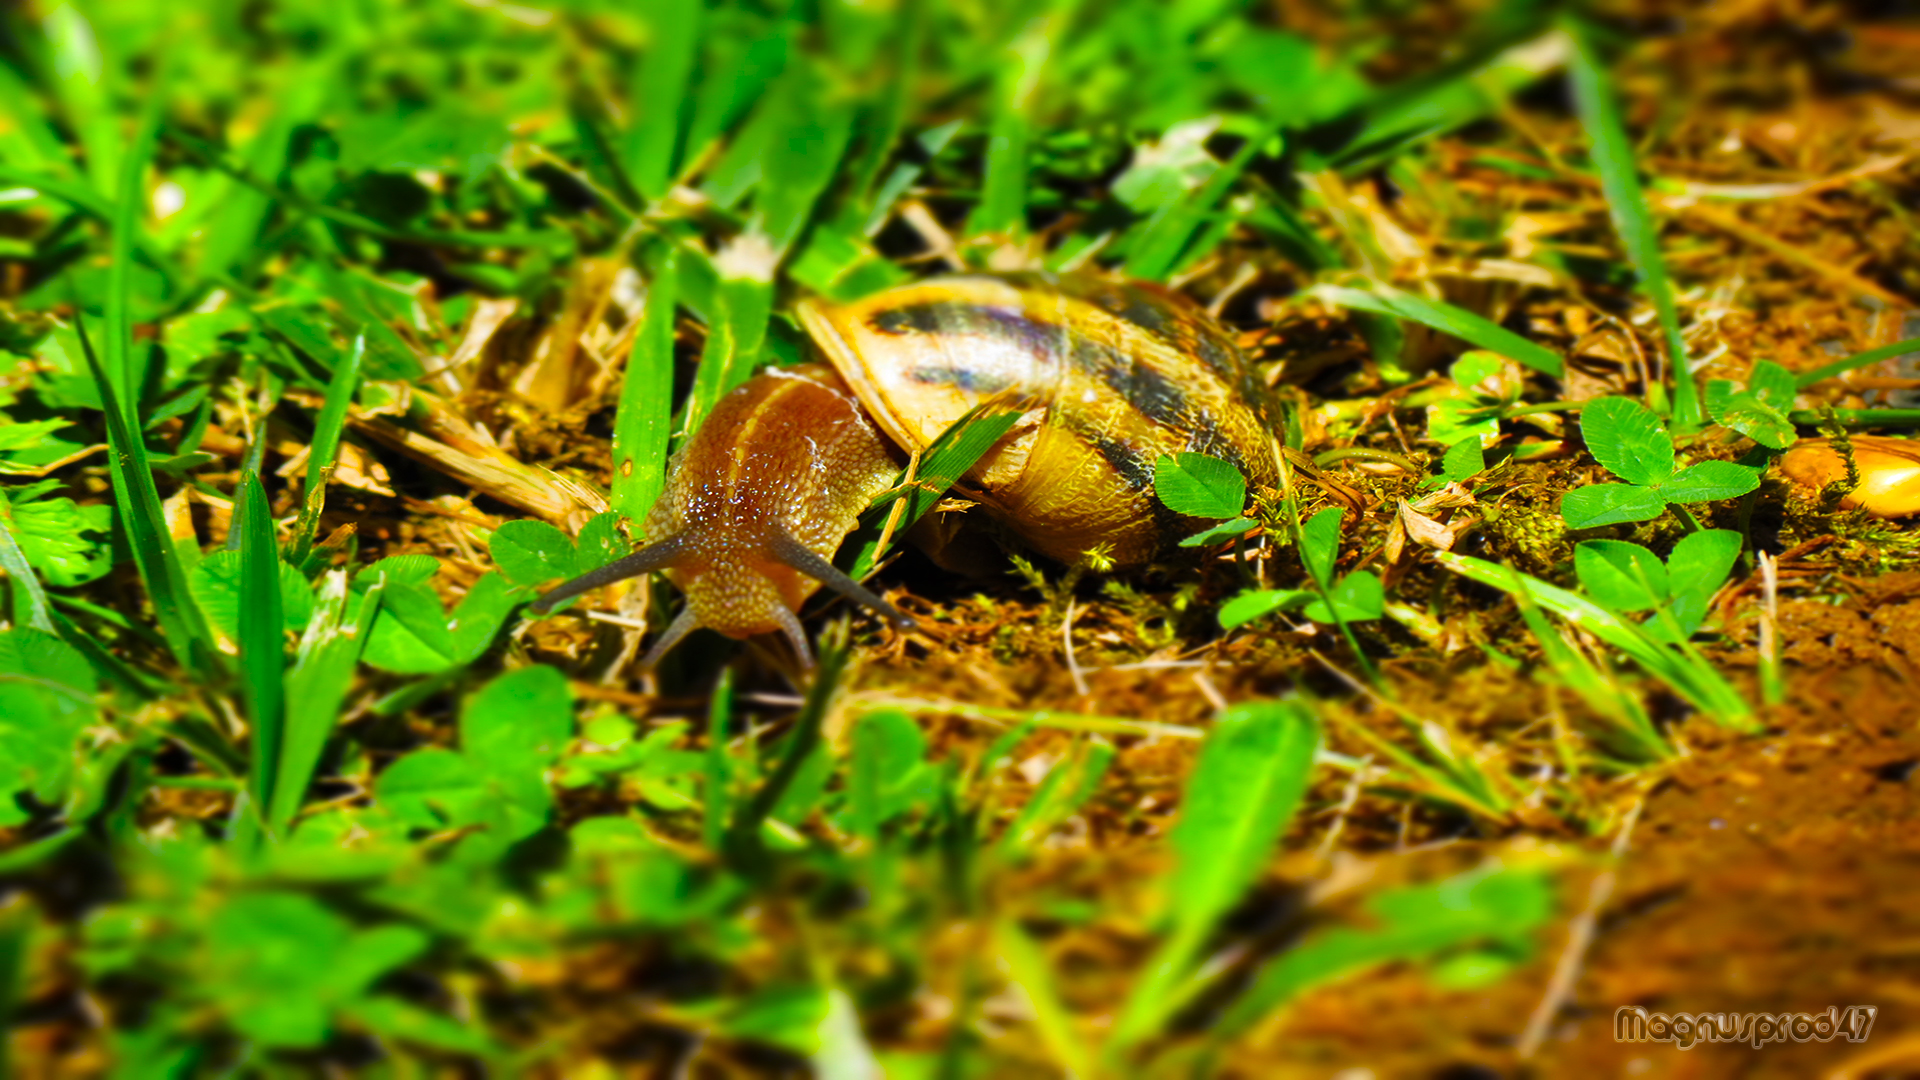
pixel 1110 376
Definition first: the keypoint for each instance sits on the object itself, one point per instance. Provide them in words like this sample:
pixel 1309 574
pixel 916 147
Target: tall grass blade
pixel 644 421
pixel 324 446
pixel 1252 773
pixel 1613 159
pixel 660 108
pixel 263 654
pixel 954 452
pixel 1691 677
pixel 137 501
pixel 315 689
pixel 1857 360
pixel 744 845
pixel 1026 966
pixel 1474 329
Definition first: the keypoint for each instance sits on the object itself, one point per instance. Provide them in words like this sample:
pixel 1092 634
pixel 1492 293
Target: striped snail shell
pixel 1110 376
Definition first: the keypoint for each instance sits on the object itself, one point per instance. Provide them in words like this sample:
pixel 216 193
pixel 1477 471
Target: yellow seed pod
pixel 1889 470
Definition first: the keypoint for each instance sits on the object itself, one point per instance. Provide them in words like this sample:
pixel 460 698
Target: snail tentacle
pixel 646 560
pixel 681 625
pixel 802 558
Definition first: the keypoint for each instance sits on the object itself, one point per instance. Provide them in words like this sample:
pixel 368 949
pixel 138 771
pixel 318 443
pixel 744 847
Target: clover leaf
pixel 1627 438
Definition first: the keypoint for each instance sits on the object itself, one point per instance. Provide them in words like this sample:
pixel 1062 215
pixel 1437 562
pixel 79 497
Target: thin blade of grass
pixel 949 457
pixel 29 599
pixel 659 111
pixel 263 654
pixel 1165 241
pixel 315 688
pixel 1459 322
pixel 1857 360
pixel 1702 685
pixel 1002 209
pixel 325 445
pixel 137 501
pixel 718 782
pixel 1026 966
pixel 1251 775
pixel 643 424
pixel 744 845
pixel 1599 113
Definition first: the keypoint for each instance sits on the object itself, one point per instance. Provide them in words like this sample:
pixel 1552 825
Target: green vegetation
pixel 329 334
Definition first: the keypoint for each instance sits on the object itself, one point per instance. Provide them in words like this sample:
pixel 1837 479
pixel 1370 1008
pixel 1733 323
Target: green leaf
pixel 1358 597
pixel 1226 530
pixel 46 699
pixel 1199 486
pixel 1595 505
pixel 1252 772
pixel 1620 576
pixel 1760 411
pixel 1410 922
pixel 1255 603
pixel 216 588
pixel 1619 179
pixel 520 721
pixel 316 688
pixel 659 112
pixel 29 598
pixel 532 552
pixel 261 635
pixel 1463 459
pixel 1701 561
pixel 1458 420
pixel 1709 481
pixel 889 773
pixel 643 422
pixel 1627 438
pixel 947 459
pixel 1477 330
pixel 1320 544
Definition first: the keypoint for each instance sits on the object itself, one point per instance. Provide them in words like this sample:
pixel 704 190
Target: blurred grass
pixel 298 225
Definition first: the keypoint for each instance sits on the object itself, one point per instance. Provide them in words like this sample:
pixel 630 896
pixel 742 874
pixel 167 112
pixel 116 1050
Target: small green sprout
pixel 1627 438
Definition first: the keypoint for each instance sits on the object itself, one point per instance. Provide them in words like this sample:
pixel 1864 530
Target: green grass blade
pixel 945 462
pixel 137 501
pixel 124 362
pixel 1252 773
pixel 1700 683
pixel 659 96
pixel 644 421
pixel 324 446
pixel 718 782
pixel 1026 966
pixel 1613 159
pixel 1003 192
pixel 29 599
pixel 744 845
pixel 1459 322
pixel 1857 360
pixel 1166 240
pixel 263 654
pixel 800 159
pixel 316 687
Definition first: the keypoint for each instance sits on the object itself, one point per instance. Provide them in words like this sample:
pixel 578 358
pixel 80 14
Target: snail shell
pixel 1111 376
pixel 1889 470
pixel 1118 374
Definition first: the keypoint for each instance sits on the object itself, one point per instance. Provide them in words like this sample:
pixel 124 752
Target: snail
pixel 1888 472
pixel 1110 376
